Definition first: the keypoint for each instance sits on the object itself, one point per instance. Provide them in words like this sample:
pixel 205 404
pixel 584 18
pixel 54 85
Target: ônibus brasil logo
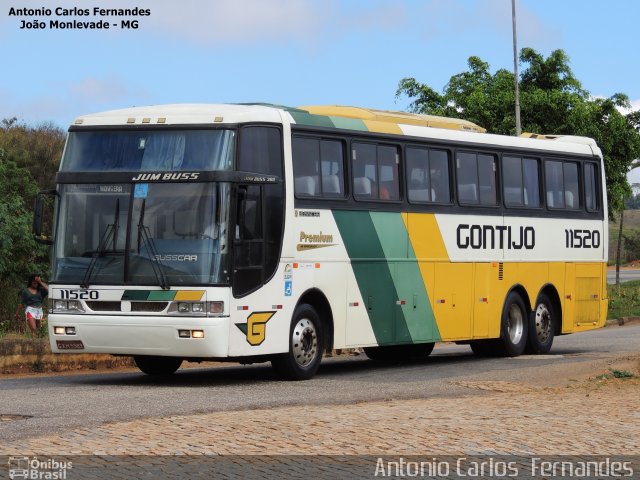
pixel 34 468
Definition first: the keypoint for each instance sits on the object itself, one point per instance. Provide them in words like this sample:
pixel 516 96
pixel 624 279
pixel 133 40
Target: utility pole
pixel 515 67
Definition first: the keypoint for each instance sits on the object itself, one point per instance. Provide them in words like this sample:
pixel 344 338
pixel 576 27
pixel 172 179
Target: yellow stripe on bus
pixel 190 295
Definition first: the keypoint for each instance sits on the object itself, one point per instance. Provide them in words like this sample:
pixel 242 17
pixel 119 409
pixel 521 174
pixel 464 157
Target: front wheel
pixel 158 366
pixel 514 326
pixel 542 326
pixel 302 361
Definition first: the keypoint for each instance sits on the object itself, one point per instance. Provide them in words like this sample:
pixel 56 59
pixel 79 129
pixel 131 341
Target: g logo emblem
pixel 256 327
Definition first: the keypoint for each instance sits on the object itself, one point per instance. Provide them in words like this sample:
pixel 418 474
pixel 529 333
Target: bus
pixel 255 232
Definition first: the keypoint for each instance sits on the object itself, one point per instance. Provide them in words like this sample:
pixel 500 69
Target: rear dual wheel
pixel 514 330
pixel 542 326
pixel 520 331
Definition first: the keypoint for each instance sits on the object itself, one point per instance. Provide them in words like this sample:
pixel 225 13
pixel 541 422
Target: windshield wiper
pixel 145 238
pixel 110 233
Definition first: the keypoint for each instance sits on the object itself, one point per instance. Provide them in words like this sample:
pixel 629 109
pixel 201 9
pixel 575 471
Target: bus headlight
pixel 67 306
pixel 200 309
pixel 197 307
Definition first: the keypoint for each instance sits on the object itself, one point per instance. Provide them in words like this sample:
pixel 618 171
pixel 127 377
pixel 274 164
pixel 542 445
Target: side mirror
pixel 40 204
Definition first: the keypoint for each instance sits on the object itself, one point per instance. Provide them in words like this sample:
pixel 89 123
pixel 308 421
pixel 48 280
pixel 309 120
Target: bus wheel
pixel 542 326
pixel 302 360
pixel 514 326
pixel 400 353
pixel 157 365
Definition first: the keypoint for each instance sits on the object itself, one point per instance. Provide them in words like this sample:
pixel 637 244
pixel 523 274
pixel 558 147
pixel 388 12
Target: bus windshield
pixel 149 150
pixel 147 234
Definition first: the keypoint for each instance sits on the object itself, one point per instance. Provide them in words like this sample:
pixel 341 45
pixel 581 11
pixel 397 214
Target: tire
pixel 415 352
pixel 157 366
pixel 303 359
pixel 542 326
pixel 514 327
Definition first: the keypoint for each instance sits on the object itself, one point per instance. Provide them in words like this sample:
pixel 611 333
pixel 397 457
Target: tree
pixel 552 101
pixel 20 255
pixel 28 161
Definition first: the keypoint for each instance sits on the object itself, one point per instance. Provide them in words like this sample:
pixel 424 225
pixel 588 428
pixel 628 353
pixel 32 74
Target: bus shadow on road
pixel 235 374
pixel 439 365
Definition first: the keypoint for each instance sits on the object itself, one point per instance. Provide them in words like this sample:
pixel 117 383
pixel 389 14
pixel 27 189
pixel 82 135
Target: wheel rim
pixel 515 323
pixel 304 341
pixel 543 323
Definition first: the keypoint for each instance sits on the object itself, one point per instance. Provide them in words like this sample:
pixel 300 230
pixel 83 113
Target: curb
pixel 21 355
pixel 619 322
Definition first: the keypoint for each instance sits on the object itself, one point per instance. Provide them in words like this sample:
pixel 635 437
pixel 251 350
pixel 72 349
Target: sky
pixel 294 52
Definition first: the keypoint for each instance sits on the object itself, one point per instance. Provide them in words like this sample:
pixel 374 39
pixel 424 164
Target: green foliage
pixel 631 242
pixel 621 373
pixel 624 300
pixel 28 161
pixel 632 203
pixel 552 100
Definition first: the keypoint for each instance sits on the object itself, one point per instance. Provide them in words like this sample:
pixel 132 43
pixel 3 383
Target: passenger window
pixel 555 184
pixel 521 179
pixel 563 187
pixel 318 167
pixel 306 159
pixel 591 187
pixel 571 187
pixel 388 173
pixel 375 172
pixel 332 168
pixel 428 175
pixel 476 179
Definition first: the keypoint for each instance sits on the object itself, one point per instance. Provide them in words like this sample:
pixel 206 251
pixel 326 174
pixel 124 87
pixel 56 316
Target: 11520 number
pixel 79 294
pixel 582 238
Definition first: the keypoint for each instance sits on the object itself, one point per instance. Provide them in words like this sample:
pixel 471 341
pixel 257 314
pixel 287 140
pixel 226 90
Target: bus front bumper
pixel 208 337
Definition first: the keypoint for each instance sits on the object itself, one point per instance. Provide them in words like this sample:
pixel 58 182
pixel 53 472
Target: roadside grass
pixel 624 300
pixel 9 333
pixel 614 373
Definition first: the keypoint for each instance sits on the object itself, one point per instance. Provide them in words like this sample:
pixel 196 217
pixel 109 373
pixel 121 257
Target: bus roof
pixel 336 117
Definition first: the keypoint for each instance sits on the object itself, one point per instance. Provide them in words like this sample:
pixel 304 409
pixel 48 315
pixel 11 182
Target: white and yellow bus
pixel 263 233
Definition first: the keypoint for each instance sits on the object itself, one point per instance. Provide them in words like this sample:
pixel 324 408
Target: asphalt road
pixel 57 403
pixel 625 276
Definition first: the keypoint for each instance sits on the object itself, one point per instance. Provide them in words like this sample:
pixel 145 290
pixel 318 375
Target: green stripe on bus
pixel 162 295
pixel 135 295
pixel 304 118
pixel 349 123
pixel 415 309
pixel 373 274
